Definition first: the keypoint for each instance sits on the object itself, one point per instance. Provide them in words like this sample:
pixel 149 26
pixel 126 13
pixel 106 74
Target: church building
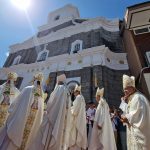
pixel 88 50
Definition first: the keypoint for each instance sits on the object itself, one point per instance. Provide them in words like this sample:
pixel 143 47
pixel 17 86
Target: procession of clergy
pixel 25 125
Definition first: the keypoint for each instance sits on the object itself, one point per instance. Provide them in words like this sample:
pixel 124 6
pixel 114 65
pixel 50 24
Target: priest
pixel 102 137
pixel 55 129
pixel 8 93
pixel 137 116
pixel 78 136
pixel 26 114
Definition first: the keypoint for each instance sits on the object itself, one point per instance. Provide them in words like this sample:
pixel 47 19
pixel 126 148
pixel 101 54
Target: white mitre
pixel 12 76
pixel 38 76
pixel 128 81
pixel 77 88
pixel 100 92
pixel 61 78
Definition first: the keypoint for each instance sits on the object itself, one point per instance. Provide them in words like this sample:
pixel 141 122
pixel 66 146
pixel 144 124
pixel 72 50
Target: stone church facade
pixel 89 51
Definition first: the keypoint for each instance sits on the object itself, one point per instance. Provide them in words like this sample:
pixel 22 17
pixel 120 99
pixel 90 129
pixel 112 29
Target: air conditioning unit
pixel 148 57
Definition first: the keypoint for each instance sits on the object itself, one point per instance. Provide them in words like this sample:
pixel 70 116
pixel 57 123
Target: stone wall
pixel 110 79
pixel 28 56
pixel 112 82
pixel 54 29
pixel 90 39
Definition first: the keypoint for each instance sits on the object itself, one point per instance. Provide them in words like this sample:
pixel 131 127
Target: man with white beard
pixel 78 135
pixel 137 116
pixel 26 114
pixel 55 129
pixel 8 93
pixel 102 137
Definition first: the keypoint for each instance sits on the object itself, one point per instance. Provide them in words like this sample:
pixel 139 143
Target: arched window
pixel 76 46
pixel 42 56
pixel 16 60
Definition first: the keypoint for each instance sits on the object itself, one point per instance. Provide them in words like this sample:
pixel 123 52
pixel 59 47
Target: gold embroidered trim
pixel 3 114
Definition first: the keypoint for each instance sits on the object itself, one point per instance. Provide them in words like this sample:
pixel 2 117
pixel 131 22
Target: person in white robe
pixel 8 93
pixel 55 129
pixel 26 114
pixel 137 116
pixel 102 137
pixel 78 136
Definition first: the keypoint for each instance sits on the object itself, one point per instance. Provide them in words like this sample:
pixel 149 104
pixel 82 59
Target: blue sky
pixel 15 27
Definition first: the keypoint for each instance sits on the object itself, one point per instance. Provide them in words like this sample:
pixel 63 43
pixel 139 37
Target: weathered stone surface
pixel 112 81
pixel 90 39
pixel 28 56
pixel 54 29
pixel 108 78
pixel 86 83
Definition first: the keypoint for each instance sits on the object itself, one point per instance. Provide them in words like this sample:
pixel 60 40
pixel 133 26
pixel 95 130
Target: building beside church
pixel 89 51
pixel 135 32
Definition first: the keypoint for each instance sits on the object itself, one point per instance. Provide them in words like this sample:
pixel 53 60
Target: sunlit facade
pixel 89 51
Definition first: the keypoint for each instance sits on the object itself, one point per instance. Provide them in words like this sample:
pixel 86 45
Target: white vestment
pixel 11 135
pixel 138 115
pixel 8 94
pixel 102 139
pixel 123 106
pixel 55 129
pixel 78 136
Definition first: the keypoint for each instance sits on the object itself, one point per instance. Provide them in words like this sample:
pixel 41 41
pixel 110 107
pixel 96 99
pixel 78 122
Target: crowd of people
pixel 119 128
pixel 67 125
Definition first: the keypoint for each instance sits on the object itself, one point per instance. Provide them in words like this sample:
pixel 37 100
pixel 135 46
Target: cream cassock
pixel 102 139
pixel 55 129
pixel 78 136
pixel 138 115
pixel 8 93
